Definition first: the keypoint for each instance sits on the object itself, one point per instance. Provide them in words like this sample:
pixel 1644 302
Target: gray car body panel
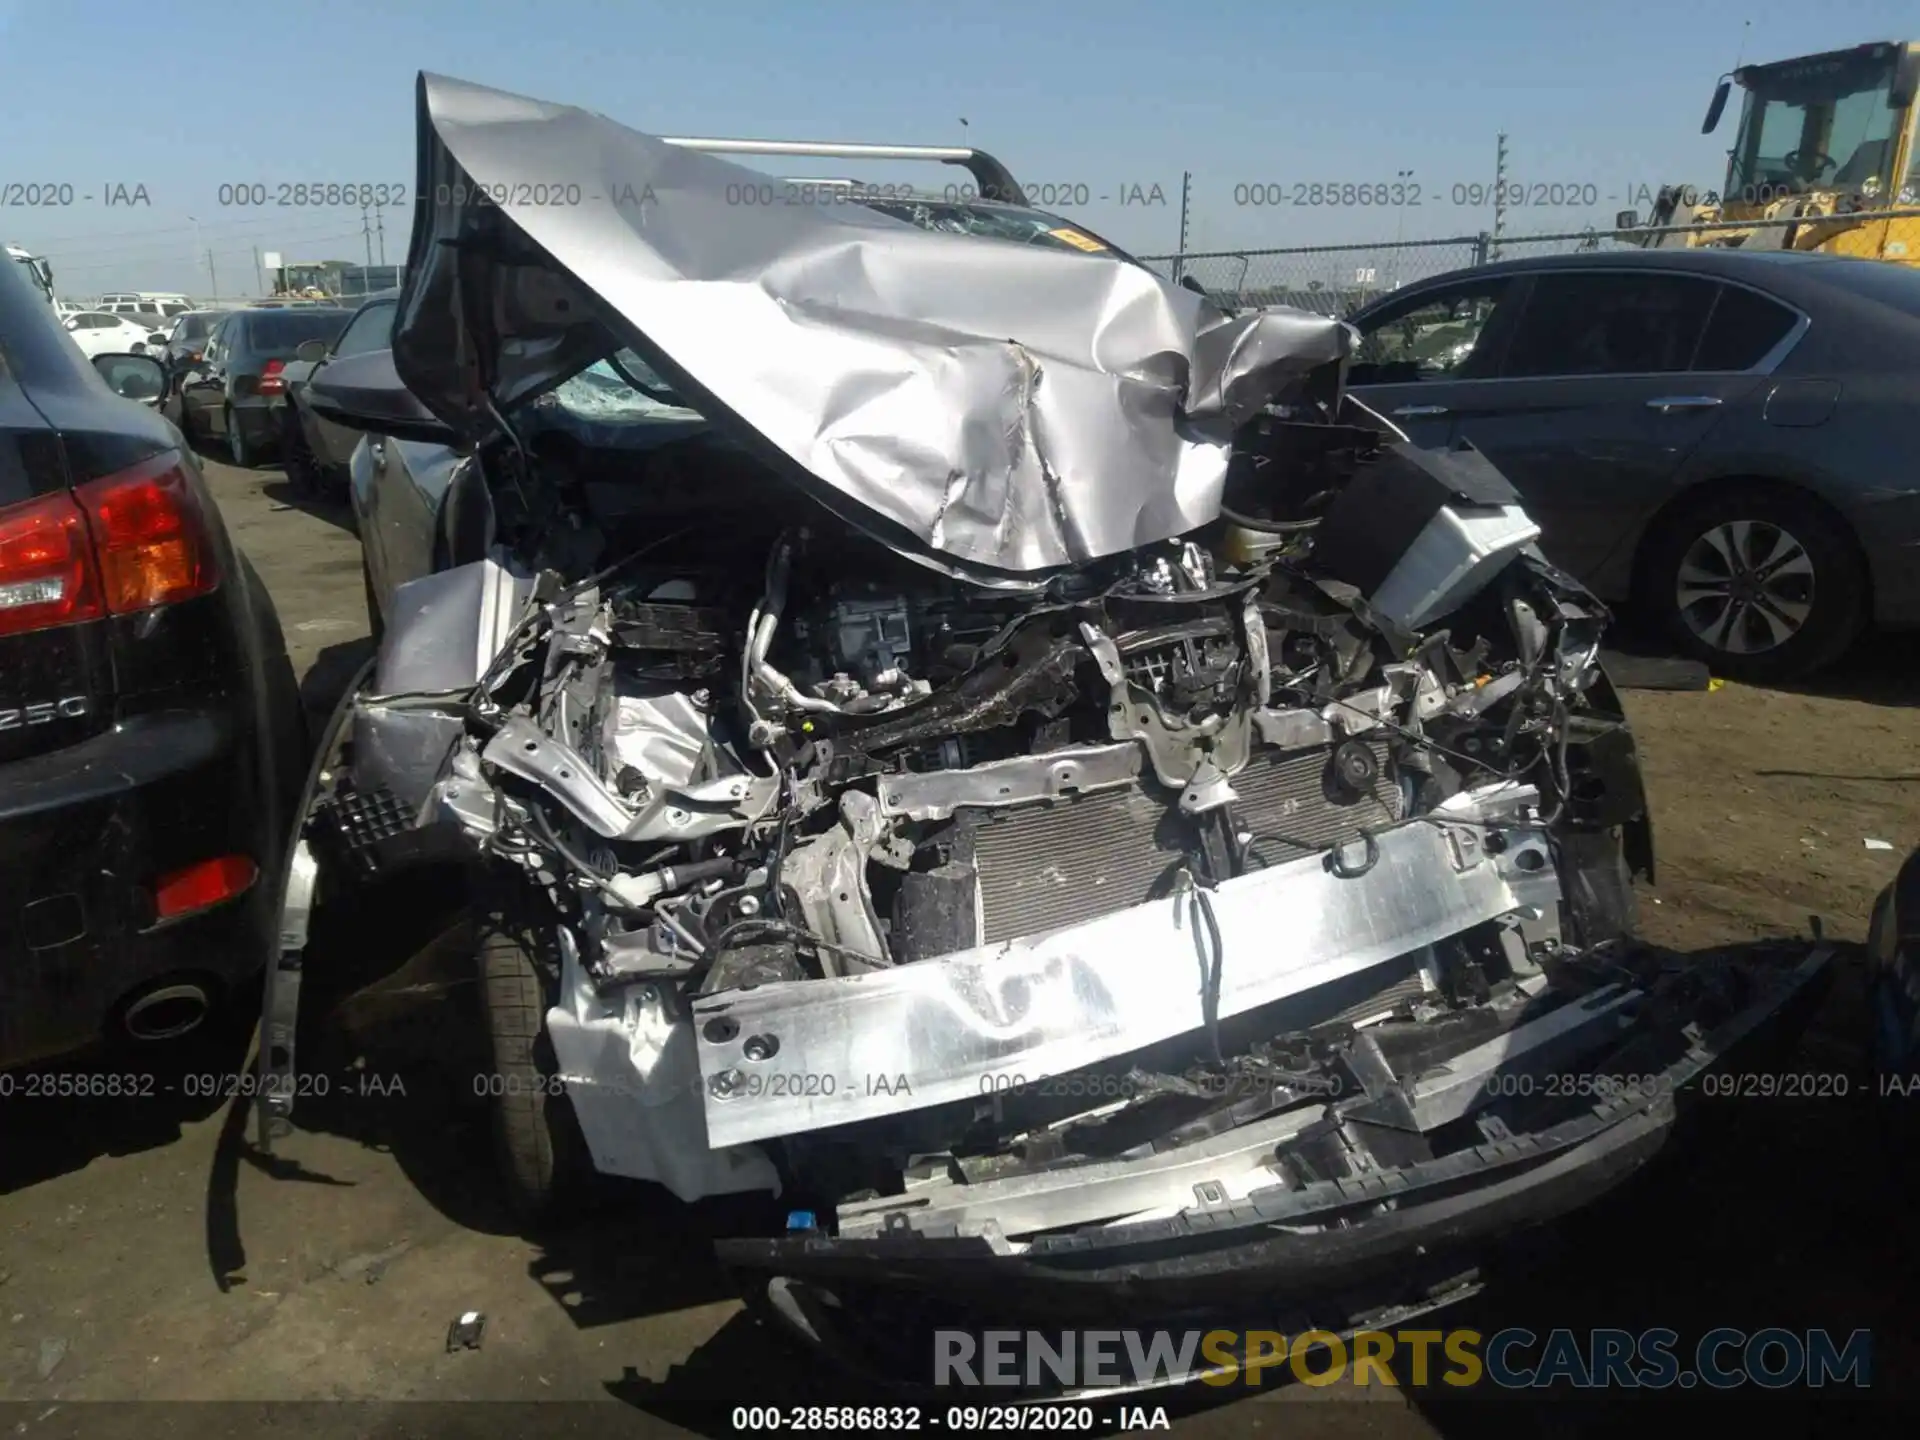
pixel 1853 449
pixel 1001 406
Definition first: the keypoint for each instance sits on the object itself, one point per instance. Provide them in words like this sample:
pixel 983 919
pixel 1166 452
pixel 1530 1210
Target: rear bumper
pixel 258 421
pixel 1334 1255
pixel 84 832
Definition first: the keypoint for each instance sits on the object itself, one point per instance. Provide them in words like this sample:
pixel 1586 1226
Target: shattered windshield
pixel 621 388
pixel 1822 121
pixel 995 222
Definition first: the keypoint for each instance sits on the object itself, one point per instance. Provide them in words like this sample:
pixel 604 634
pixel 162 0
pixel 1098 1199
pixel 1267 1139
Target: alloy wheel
pixel 1745 586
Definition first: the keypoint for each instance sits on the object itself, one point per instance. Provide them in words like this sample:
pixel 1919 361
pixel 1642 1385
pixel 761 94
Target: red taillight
pixel 119 544
pixel 271 381
pixel 151 538
pixel 47 574
pixel 198 886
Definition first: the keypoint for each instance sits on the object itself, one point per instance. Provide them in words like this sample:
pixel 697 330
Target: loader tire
pixel 539 1150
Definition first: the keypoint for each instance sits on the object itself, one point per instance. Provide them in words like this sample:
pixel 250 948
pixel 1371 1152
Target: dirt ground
pixel 149 1252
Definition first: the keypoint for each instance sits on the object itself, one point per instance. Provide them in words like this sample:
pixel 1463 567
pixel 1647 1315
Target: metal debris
pixel 466 1332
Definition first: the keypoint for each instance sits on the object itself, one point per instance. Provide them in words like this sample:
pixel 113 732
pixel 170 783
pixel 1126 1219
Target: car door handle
pixel 1411 412
pixel 1666 404
pixel 377 451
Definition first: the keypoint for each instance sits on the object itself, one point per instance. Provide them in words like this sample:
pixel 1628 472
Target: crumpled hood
pixel 1006 406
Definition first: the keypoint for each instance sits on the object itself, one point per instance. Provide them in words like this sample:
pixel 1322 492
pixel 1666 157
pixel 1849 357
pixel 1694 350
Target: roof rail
pixel 996 182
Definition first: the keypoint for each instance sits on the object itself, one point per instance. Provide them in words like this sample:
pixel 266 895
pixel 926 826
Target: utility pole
pixel 212 279
pixel 1402 182
pixel 366 233
pixel 380 229
pixel 196 248
pixel 1499 194
pixel 259 276
pixel 1186 195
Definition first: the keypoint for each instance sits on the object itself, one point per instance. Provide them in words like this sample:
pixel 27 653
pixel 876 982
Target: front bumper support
pixel 1386 1241
pixel 786 1058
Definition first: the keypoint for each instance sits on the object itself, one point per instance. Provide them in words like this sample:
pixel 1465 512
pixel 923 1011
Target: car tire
pixel 241 451
pixel 303 475
pixel 1762 582
pixel 540 1152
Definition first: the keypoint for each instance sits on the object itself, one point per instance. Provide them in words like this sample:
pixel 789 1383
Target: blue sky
pixel 1092 99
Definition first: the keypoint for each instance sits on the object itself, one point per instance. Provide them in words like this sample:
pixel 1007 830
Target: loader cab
pixel 1839 122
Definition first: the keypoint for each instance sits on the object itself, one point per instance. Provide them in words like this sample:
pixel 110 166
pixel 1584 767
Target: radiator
pixel 1047 866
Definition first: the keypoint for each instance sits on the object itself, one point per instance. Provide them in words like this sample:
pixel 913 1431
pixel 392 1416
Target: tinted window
pixel 372 329
pixel 1609 324
pixel 1744 326
pixel 272 331
pixel 1437 337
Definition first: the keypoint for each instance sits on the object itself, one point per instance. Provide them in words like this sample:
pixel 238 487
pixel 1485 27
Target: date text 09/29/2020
pixel 225 1085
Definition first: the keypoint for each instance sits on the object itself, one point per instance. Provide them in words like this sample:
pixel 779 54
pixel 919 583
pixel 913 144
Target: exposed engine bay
pixel 855 863
pixel 982 743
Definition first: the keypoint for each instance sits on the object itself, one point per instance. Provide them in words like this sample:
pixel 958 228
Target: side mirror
pixel 1187 282
pixel 158 337
pixel 1626 219
pixel 133 377
pixel 311 351
pixel 365 392
pixel 1716 106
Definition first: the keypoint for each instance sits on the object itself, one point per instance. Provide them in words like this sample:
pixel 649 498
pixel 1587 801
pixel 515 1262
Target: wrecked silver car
pixel 974 739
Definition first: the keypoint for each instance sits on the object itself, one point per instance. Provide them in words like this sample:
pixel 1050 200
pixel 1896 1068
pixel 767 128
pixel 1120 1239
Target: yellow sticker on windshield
pixel 1077 239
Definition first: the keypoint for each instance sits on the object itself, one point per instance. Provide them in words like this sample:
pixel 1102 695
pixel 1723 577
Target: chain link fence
pixel 1337 280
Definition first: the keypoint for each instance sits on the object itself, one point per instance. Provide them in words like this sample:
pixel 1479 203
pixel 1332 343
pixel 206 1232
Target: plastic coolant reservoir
pixel 1241 546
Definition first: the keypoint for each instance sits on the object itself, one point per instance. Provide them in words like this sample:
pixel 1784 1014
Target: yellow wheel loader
pixel 1825 148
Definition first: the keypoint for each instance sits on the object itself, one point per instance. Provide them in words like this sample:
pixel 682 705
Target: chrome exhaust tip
pixel 167 1012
